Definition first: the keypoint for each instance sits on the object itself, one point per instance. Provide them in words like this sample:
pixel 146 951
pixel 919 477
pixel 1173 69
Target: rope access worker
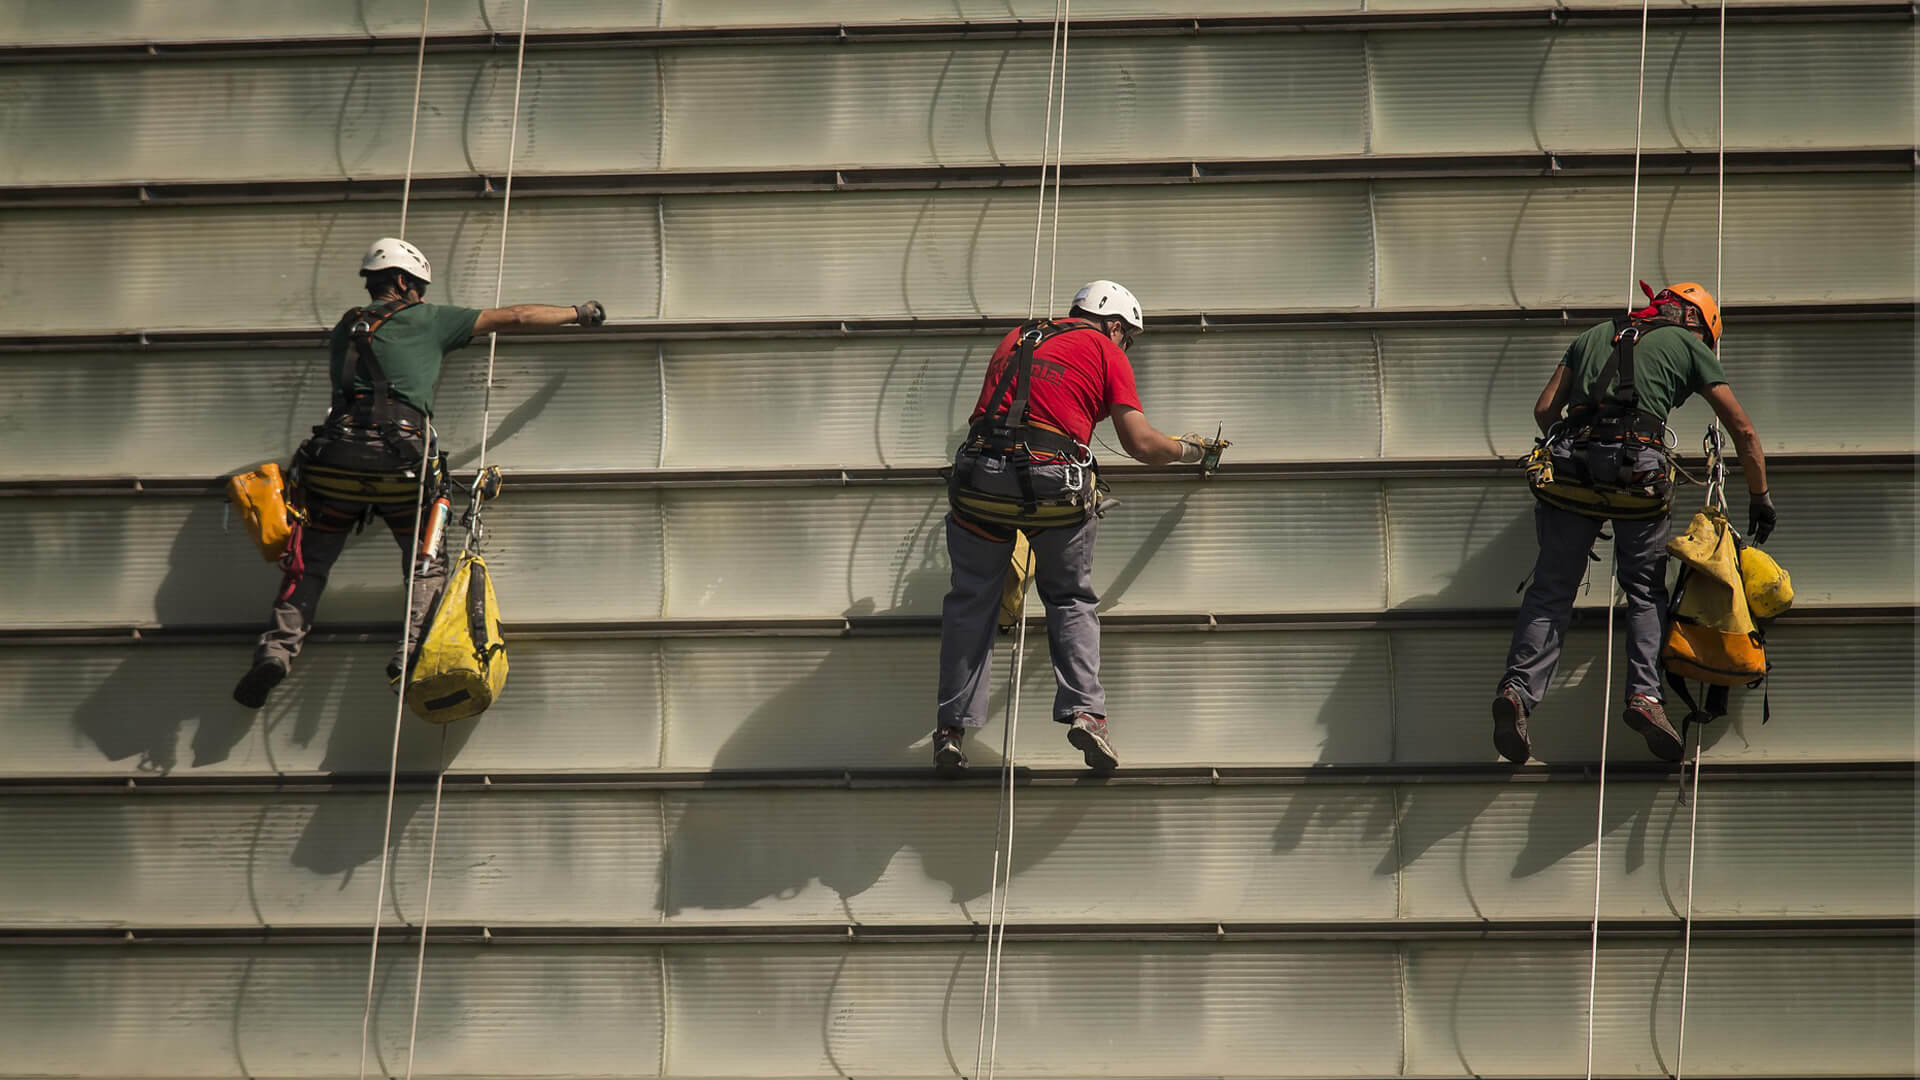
pixel 1025 466
pixel 1606 460
pixel 364 460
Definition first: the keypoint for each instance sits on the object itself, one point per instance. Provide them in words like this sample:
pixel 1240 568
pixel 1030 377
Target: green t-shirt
pixel 409 347
pixel 1668 365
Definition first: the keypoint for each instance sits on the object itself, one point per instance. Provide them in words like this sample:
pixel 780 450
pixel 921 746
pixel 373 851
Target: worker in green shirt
pixel 368 457
pixel 1613 433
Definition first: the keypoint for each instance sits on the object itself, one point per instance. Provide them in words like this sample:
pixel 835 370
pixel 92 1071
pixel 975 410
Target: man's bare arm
pixel 1553 398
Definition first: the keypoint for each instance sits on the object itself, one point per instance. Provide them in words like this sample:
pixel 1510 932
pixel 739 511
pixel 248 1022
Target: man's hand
pixel 1760 517
pixel 591 313
pixel 1197 449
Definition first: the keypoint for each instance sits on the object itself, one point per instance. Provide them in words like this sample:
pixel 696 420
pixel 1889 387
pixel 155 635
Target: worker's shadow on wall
pixel 715 858
pixel 1429 814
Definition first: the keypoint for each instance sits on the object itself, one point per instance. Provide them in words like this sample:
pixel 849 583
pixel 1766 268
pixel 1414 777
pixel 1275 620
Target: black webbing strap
pixel 483 649
pixel 366 323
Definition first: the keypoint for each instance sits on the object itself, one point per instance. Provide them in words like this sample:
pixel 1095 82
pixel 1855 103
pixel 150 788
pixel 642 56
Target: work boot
pixel 1510 726
pixel 948 759
pixel 1088 734
pixel 1648 717
pixel 258 682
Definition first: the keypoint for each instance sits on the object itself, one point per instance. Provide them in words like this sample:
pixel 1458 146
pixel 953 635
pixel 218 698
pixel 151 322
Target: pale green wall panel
pixel 310 118
pixel 1558 90
pixel 579 705
pixel 1470 393
pixel 1534 243
pixel 968 252
pixel 1486 243
pixel 300 261
pixel 938 104
pixel 280 1011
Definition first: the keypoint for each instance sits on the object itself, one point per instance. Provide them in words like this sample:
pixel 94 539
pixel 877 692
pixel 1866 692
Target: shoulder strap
pixel 1627 334
pixel 483 649
pixel 367 321
pixel 1018 373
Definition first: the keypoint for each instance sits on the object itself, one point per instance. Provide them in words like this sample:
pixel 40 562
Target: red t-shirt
pixel 1077 379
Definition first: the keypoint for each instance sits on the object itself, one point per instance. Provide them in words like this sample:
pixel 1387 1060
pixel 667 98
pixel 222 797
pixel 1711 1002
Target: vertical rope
pixel 1059 148
pixel 1046 135
pixel 419 70
pixel 1600 812
pixel 426 902
pixel 986 1051
pixel 406 619
pixel 506 210
pixel 1639 113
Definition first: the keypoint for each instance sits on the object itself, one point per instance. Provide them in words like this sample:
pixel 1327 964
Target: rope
pixel 1000 884
pixel 1613 576
pixel 1600 813
pixel 413 132
pixel 1716 489
pixel 406 632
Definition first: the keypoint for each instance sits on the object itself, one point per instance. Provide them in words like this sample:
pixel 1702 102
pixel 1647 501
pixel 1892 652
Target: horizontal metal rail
pixel 152 635
pixel 953 30
pixel 1222 933
pixel 832 327
pixel 1371 775
pixel 928 475
pixel 1007 175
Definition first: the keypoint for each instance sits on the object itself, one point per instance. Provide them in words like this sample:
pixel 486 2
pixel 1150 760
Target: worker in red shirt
pixel 1025 466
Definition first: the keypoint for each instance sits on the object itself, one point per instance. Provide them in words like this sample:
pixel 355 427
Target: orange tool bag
pixel 260 497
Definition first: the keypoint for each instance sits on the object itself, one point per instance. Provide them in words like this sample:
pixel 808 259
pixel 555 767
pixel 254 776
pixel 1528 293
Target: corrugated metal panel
pixel 583 405
pixel 1520 90
pixel 968 252
pixel 1471 392
pixel 267 1011
pixel 1763 1008
pixel 1246 97
pixel 1547 243
pixel 1254 546
pixel 326 118
pixel 51 21
pixel 300 260
pixel 1799 1007
pixel 1447 680
pixel 904 401
pixel 862 551
pixel 1103 854
pixel 1442 243
pixel 572 705
pixel 1285 698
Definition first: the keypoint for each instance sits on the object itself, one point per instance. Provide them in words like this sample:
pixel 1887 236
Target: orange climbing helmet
pixel 1695 295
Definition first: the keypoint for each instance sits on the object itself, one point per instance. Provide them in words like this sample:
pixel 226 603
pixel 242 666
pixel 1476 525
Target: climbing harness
pixel 1584 463
pixel 485 485
pixel 1000 881
pixel 1008 437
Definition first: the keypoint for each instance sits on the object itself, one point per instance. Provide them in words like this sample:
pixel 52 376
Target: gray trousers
pixel 1566 539
pixel 1063 575
pixel 320 543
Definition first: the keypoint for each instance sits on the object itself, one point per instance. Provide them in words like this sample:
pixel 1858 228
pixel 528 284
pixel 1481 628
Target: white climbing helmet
pixel 391 252
pixel 1105 297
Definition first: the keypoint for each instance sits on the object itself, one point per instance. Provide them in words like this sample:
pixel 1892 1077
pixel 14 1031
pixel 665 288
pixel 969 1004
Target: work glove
pixel 1196 449
pixel 591 313
pixel 1760 517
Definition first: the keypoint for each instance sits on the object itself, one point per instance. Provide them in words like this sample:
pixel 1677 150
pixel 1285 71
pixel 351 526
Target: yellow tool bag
pixel 1769 587
pixel 260 497
pixel 1711 635
pixel 462 663
pixel 1013 596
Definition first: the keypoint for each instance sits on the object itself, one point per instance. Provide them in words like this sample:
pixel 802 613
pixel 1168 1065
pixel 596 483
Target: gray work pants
pixel 1566 539
pixel 1063 575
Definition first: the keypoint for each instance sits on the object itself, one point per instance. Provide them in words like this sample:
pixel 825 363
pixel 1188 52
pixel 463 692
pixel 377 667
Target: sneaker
pixel 1088 734
pixel 948 759
pixel 259 681
pixel 1510 726
pixel 1648 717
